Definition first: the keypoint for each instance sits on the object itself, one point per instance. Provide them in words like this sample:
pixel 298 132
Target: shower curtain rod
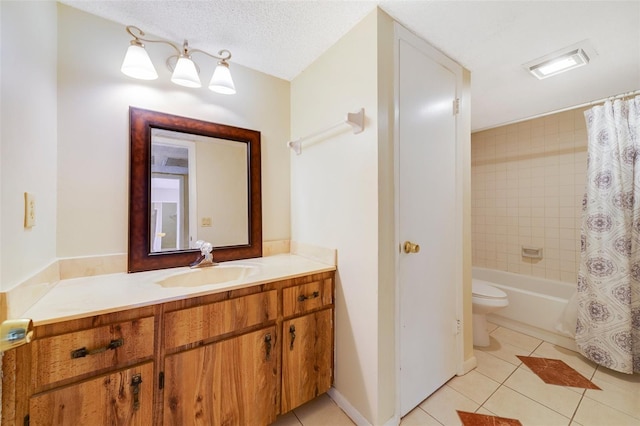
pixel 544 114
pixel 609 98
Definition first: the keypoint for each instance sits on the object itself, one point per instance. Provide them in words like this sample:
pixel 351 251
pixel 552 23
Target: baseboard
pixel 393 421
pixel 346 406
pixel 468 365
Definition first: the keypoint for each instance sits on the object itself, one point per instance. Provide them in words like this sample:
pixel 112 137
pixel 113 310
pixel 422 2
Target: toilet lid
pixel 484 289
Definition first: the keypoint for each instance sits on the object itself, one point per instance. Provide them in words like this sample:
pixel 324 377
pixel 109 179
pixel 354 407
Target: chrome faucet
pixel 206 257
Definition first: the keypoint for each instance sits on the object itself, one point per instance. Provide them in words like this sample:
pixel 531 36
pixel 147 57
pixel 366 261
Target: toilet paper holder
pixel 14 333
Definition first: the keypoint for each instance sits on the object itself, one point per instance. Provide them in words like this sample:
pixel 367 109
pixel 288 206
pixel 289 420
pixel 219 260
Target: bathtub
pixel 536 305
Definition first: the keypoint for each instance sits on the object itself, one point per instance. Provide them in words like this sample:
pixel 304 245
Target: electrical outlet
pixel 29 210
pixel 206 221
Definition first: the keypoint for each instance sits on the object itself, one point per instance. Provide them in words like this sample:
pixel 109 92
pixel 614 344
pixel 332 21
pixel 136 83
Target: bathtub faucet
pixel 206 257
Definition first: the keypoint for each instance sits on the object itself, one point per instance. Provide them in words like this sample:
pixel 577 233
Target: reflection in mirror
pixel 170 205
pixel 205 180
pixel 192 180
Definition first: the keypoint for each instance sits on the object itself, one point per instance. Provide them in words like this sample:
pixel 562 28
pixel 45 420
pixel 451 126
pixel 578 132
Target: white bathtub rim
pixel 530 310
pixel 553 289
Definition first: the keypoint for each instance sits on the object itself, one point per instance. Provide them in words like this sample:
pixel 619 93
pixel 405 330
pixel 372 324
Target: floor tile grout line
pixel 439 422
pixel 582 396
pixel 582 393
pixel 595 370
pixel 531 399
pixel 499 384
pixel 501 359
pixel 541 341
pixel 537 402
pixel 578 406
pixel 593 375
pixel 491 378
pixel 489 397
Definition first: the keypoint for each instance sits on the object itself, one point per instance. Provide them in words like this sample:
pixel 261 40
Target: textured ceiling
pixel 491 39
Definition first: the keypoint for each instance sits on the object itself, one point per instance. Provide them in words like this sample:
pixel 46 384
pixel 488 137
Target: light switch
pixel 206 221
pixel 29 210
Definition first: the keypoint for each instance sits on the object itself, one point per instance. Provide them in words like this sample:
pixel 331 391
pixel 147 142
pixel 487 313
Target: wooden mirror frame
pixel 140 124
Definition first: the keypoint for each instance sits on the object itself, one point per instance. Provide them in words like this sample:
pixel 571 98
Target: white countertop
pixel 100 294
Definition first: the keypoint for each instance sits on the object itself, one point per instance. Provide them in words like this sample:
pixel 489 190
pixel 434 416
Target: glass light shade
pixel 137 64
pixel 185 73
pixel 221 81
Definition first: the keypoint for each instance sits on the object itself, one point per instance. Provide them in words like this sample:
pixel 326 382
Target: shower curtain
pixel 608 325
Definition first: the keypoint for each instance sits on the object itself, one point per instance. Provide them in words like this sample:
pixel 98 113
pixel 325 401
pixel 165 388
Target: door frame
pixel 401 33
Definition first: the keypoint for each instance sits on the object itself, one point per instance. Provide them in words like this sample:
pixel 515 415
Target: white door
pixel 427 217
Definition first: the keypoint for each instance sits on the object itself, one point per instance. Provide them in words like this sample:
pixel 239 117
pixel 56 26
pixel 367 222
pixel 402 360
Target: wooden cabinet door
pixel 233 382
pixel 121 398
pixel 307 358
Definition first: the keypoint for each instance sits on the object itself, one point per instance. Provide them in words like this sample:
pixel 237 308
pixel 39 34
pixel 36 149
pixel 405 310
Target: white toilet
pixel 486 299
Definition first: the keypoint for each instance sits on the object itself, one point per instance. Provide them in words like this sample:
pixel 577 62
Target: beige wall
pixel 528 181
pixel 224 197
pixel 334 200
pixel 65 133
pixel 28 137
pixel 387 368
pixel 467 251
pixel 342 195
pixel 93 124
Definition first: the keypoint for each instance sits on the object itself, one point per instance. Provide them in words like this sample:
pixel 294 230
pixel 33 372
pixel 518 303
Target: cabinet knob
pixel 267 342
pixel 292 334
pixel 136 380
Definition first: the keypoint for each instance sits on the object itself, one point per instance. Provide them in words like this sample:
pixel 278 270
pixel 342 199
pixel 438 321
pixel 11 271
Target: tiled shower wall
pixel 527 185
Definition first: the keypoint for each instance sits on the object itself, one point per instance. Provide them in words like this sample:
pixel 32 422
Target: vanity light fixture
pixel 557 63
pixel 137 64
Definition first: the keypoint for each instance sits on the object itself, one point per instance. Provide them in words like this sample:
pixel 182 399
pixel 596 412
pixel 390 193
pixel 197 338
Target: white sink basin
pixel 209 275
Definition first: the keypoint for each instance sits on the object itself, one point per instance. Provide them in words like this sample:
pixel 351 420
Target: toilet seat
pixel 484 290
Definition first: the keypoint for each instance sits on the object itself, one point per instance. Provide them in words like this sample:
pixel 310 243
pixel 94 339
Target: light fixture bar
pixel 137 64
pixel 558 64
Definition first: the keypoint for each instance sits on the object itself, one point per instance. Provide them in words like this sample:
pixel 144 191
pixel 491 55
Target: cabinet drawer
pixel 120 398
pixel 74 354
pixel 204 322
pixel 306 297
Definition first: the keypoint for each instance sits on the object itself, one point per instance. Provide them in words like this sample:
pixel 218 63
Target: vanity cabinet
pixel 236 357
pixel 307 350
pixel 232 382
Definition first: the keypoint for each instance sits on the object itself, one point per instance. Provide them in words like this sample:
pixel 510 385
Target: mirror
pixel 185 207
pixel 190 180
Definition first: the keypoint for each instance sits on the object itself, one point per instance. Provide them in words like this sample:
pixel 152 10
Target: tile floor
pixel 503 386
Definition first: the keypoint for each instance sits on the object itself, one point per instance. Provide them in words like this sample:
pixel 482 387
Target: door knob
pixel 410 247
